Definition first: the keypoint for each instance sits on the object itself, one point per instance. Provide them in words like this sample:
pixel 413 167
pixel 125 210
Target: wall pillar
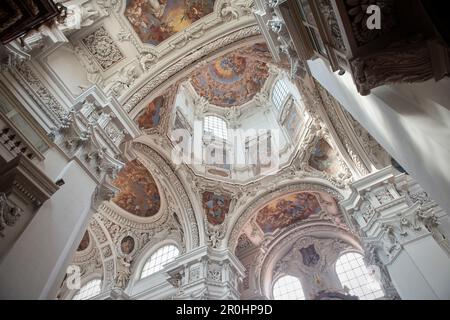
pixel 206 274
pixel 410 121
pixel 400 228
pixel 37 260
pixel 85 158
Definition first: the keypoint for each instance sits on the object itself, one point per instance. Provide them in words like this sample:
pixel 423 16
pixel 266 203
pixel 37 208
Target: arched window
pixel 89 290
pixel 215 126
pixel 288 288
pixel 157 261
pixel 279 94
pixel 353 273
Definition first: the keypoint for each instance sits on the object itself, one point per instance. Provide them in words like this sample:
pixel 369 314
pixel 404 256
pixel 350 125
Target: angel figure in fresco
pixel 157 7
pixel 193 10
pixel 134 14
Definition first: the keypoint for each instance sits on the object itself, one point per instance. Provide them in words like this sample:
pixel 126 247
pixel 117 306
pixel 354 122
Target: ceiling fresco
pixel 151 116
pixel 84 243
pixel 157 20
pixel 216 207
pixel 138 191
pixel 257 51
pixel 234 78
pixel 283 212
pixel 325 159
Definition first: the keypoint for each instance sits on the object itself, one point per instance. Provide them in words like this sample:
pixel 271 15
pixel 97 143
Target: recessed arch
pixel 178 198
pixel 260 201
pixel 145 255
pixel 308 233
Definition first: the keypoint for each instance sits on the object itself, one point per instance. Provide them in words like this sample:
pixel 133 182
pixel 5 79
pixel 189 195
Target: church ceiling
pixel 138 191
pixel 235 78
pixel 157 20
pixel 151 116
pixel 288 210
pixel 324 158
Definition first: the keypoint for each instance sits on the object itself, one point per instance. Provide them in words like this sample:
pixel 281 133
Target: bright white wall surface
pixel 421 271
pixel 68 69
pixel 42 253
pixel 411 121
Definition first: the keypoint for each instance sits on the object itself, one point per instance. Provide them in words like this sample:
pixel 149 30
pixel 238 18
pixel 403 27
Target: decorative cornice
pixel 29 183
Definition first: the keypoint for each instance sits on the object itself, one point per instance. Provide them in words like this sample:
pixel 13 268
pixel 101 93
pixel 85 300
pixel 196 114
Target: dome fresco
pixel 233 79
pixel 138 191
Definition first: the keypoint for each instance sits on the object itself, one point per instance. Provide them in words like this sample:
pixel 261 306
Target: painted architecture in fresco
pixel 156 20
pixel 151 116
pixel 138 191
pixel 231 80
pixel 216 207
pixel 325 159
pixel 283 212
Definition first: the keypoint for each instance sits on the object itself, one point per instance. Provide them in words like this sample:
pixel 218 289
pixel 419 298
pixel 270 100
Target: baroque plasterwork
pixel 101 46
pixel 265 262
pixel 333 111
pixel 227 18
pixel 160 76
pixel 159 167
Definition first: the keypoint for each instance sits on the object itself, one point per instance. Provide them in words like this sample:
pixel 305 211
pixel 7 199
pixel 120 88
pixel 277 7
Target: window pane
pixel 288 288
pixel 353 273
pixel 157 261
pixel 280 93
pixel 215 126
pixel 89 290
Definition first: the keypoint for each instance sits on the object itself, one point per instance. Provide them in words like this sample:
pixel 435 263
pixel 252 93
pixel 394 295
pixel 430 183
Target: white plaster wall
pixel 434 263
pixel 68 69
pixel 413 287
pixel 411 121
pixel 35 265
pixel 53 163
pixel 421 271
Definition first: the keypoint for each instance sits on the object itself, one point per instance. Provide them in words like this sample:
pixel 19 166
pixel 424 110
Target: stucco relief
pixel 102 47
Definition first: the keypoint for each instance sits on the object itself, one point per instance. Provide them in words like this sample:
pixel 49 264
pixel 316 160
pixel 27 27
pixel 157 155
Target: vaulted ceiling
pixel 233 79
pixel 139 193
pixel 157 20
